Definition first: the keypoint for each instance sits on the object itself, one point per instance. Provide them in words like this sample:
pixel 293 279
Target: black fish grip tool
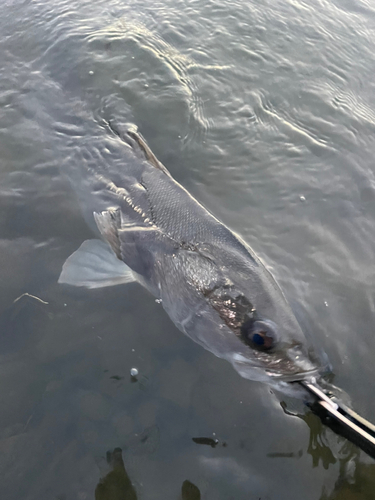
pixel 341 419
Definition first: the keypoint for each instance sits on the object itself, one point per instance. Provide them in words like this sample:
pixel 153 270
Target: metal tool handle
pixel 342 419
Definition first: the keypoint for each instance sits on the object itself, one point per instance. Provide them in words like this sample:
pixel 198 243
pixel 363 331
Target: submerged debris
pixel 31 297
pixel 205 440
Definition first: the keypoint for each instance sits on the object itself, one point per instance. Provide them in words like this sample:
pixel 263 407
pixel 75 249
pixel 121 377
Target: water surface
pixel 265 112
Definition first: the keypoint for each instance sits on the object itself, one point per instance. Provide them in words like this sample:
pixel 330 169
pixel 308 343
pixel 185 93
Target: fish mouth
pixel 278 372
pixel 293 366
pixel 294 377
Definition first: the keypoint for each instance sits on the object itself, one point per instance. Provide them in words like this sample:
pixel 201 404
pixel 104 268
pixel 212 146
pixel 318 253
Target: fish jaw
pixel 283 383
pixel 271 372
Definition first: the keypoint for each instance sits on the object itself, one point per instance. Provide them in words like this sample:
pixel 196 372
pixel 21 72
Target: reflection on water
pixel 116 484
pixel 324 446
pixel 189 491
pixel 356 480
pixel 319 448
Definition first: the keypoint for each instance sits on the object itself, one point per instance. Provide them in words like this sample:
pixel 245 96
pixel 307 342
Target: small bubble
pixel 134 372
pixel 326 303
pixel 65 305
pixel 132 57
pixel 91 72
pixel 146 85
pixel 133 350
pixel 302 198
pixel 158 301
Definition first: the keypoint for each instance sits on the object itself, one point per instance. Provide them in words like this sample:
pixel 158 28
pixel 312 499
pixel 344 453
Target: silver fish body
pixel 210 282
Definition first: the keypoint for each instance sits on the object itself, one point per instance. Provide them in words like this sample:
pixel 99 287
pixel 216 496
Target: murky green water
pixel 251 106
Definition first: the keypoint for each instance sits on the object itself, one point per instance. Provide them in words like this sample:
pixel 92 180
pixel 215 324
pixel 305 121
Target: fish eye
pixel 260 334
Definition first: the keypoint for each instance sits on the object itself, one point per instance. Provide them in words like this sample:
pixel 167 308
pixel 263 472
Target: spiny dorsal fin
pixel 138 142
pixel 146 150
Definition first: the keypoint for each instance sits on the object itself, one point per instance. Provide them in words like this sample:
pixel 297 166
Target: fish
pixel 213 286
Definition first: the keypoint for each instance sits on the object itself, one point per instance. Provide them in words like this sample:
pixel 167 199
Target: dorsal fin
pixel 137 142
pixel 146 150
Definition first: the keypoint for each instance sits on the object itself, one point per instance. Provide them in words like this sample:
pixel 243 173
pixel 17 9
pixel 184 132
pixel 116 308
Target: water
pixel 265 112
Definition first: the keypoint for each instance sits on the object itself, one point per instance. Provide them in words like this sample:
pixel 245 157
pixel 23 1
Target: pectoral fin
pixel 109 223
pixel 94 265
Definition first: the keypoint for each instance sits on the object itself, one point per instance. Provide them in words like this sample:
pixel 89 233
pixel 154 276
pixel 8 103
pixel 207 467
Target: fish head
pixel 266 341
pixel 229 303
